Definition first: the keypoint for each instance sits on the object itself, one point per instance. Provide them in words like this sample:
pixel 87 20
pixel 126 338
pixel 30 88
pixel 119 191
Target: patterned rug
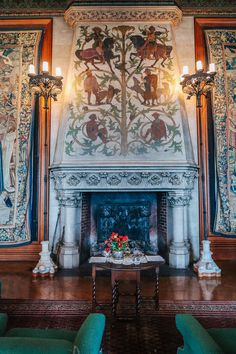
pixel 149 335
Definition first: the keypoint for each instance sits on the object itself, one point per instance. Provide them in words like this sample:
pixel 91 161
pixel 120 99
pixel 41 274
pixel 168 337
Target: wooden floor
pixel 18 283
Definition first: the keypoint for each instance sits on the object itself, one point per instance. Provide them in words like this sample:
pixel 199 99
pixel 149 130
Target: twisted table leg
pixel 138 300
pixel 157 289
pixel 114 298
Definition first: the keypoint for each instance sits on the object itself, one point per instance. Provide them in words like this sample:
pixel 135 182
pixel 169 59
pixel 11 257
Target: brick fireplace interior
pixel 140 215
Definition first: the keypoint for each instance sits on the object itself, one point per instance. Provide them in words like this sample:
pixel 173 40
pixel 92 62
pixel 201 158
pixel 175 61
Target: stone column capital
pixel 179 198
pixel 69 198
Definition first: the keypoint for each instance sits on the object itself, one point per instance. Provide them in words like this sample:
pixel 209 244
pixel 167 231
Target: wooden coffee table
pixel 126 272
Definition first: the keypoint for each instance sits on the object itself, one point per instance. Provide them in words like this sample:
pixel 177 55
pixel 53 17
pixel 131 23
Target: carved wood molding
pixel 76 15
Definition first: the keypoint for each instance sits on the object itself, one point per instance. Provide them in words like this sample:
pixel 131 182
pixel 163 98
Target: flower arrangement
pixel 117 243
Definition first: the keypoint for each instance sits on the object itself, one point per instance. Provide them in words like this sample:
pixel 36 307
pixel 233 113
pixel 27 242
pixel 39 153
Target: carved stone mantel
pixel 163 178
pixel 177 181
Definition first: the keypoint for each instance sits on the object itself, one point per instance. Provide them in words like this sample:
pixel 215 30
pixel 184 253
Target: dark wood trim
pixel 222 247
pixel 31 251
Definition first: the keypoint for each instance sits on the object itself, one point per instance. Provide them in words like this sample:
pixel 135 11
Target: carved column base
pixel 206 267
pixel 178 255
pixel 69 257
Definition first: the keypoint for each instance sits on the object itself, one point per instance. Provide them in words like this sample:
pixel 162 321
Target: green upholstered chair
pixel 198 340
pixel 87 340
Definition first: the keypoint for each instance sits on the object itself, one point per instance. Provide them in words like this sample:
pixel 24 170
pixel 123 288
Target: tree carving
pixel 124 87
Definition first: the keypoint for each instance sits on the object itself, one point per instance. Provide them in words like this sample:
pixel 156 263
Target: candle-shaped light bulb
pixel 185 70
pixel 45 66
pixel 199 65
pixel 31 69
pixel 212 68
pixel 58 71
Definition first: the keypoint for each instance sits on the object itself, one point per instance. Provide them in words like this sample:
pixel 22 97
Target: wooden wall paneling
pixel 31 251
pixel 222 247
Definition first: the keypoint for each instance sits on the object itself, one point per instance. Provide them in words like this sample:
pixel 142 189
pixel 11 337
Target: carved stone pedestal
pixel 45 265
pixel 206 267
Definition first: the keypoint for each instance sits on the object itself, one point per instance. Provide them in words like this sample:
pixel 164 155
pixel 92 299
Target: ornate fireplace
pixel 124 128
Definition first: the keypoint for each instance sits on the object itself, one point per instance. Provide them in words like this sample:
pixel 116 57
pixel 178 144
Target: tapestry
pixel 123 104
pixel 221 46
pixel 18 49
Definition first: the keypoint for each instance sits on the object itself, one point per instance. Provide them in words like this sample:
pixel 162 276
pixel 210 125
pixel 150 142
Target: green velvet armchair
pixel 87 340
pixel 198 340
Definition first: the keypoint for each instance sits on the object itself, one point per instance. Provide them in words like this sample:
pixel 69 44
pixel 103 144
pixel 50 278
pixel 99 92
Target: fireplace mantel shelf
pixel 88 179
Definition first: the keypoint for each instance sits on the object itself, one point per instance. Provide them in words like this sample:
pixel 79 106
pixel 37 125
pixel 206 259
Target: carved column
pixel 71 202
pixel 178 252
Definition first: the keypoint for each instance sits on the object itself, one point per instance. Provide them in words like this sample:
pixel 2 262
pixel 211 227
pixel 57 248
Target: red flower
pixel 107 249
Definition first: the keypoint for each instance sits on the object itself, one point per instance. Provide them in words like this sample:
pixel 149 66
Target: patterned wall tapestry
pixel 124 103
pixel 17 50
pixel 222 50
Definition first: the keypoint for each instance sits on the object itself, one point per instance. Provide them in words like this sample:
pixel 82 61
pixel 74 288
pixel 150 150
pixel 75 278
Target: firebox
pixel 130 219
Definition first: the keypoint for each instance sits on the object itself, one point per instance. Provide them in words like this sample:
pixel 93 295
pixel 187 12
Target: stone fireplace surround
pixel 165 170
pixel 176 181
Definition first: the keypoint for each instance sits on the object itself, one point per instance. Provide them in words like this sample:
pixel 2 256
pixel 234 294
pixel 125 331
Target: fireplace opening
pixel 139 215
pixel 130 219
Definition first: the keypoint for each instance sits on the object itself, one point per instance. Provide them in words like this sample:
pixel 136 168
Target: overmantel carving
pixel 121 179
pixel 77 14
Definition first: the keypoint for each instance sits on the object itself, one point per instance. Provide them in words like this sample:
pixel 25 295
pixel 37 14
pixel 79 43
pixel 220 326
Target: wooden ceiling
pixel 189 7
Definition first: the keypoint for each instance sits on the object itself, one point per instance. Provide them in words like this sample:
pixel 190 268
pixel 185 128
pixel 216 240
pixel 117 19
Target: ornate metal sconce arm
pixel 197 84
pixel 46 86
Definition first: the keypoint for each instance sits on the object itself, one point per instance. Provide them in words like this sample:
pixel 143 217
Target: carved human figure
pixel 94 130
pixel 150 81
pixel 97 36
pixel 150 41
pixel 157 130
pixel 91 86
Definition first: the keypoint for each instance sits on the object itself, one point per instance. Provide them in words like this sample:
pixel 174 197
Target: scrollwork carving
pixel 190 176
pixel 181 198
pixel 75 15
pixel 68 199
pixel 160 179
pixel 175 179
pixel 93 180
pixel 73 180
pixel 155 180
pixel 134 179
pixel 113 180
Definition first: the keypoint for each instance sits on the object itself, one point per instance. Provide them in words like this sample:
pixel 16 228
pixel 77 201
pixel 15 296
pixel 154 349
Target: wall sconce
pixel 198 85
pixel 48 87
